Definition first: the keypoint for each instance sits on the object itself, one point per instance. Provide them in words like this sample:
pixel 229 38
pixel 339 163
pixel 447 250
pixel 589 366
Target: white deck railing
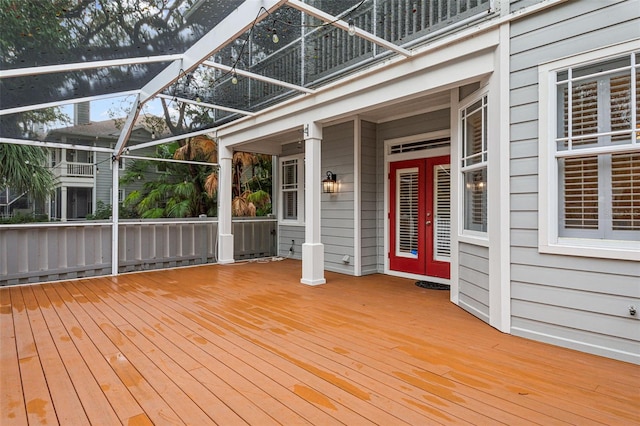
pixel 73 169
pixel 39 252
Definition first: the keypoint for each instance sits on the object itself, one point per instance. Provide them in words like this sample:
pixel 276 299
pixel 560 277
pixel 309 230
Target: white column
pixel 225 236
pixel 63 205
pixel 115 185
pixel 499 189
pixel 312 249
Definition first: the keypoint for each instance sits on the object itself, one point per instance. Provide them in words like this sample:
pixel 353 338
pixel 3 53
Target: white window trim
pixel 467 235
pixel 548 239
pixel 301 185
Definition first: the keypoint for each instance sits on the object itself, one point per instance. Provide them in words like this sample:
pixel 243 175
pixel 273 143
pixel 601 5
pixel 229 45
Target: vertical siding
pixel 575 302
pixel 337 210
pixel 369 197
pixel 421 123
pixel 473 282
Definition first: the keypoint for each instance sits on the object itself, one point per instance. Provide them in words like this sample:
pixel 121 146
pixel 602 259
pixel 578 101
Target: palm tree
pixel 24 169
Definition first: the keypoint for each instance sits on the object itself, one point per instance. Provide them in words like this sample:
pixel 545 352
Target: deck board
pixel 248 344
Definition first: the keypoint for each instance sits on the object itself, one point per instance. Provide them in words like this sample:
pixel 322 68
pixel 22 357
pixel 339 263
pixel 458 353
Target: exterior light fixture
pixel 330 185
pixel 352 27
pixel 275 37
pixel 234 79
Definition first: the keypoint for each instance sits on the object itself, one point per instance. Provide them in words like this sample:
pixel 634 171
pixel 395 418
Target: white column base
pixel 313 264
pixel 225 248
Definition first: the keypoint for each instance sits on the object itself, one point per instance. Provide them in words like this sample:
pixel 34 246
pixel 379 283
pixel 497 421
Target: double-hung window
pixel 592 155
pixel 473 119
pixel 292 189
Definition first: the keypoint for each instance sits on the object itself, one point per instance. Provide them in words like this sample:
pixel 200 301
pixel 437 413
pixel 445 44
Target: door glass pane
pixel 407 212
pixel 442 212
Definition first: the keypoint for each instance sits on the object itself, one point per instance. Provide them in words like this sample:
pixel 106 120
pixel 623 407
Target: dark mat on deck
pixel 432 286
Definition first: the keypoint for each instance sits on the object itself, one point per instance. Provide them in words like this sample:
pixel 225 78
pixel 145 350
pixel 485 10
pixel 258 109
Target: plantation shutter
pixel 625 191
pixel 442 212
pixel 407 211
pixel 580 199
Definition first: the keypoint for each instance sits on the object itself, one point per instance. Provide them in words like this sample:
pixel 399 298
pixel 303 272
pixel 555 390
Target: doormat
pixel 432 286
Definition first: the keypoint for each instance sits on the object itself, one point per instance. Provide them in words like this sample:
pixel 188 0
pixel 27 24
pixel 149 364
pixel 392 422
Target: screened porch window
pixel 597 150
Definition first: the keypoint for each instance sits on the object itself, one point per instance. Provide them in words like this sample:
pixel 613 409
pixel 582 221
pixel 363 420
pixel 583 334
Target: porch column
pixel 225 236
pixel 312 249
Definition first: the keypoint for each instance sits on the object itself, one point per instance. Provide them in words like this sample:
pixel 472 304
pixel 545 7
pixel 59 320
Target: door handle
pixel 428 222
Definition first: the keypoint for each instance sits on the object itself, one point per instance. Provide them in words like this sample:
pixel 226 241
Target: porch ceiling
pixel 247 344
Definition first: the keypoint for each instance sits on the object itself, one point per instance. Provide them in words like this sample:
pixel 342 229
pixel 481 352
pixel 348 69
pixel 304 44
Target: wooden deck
pixel 248 344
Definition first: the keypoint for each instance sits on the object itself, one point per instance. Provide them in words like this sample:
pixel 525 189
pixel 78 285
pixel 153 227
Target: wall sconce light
pixel 330 185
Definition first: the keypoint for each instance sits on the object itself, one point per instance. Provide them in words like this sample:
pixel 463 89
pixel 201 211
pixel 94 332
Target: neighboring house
pixel 502 158
pixel 84 177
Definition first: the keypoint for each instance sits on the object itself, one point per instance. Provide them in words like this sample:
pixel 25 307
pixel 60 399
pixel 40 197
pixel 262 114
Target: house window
pixel 473 166
pixel 593 154
pixel 121 195
pixel 292 189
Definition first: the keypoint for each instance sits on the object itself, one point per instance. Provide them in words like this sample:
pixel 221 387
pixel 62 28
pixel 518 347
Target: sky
pixel 100 109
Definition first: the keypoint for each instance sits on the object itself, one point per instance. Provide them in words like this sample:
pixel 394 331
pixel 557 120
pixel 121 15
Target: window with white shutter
pixel 598 151
pixel 442 212
pixel 589 154
pixel 408 211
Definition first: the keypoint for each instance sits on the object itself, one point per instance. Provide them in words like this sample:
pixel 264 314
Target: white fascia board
pixel 67 102
pixel 45 144
pixel 309 10
pixel 438 70
pixel 231 27
pixel 258 77
pixel 80 66
pixel 205 104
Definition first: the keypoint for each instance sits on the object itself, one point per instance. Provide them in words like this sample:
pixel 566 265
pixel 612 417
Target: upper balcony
pixel 308 52
pixel 67 171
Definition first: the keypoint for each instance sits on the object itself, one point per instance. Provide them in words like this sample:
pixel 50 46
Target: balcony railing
pixel 58 251
pixel 74 169
pixel 324 52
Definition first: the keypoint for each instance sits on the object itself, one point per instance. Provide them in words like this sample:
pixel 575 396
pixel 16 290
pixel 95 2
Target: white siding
pixel 337 215
pixel 369 197
pixel 575 302
pixel 473 283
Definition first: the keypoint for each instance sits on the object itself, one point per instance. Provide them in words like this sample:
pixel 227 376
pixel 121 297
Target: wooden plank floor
pixel 248 344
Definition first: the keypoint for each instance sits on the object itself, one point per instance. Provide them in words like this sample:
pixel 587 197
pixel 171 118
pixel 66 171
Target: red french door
pixel 419 216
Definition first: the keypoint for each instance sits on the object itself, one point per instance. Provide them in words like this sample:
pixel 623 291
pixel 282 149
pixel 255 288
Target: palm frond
pixel 211 183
